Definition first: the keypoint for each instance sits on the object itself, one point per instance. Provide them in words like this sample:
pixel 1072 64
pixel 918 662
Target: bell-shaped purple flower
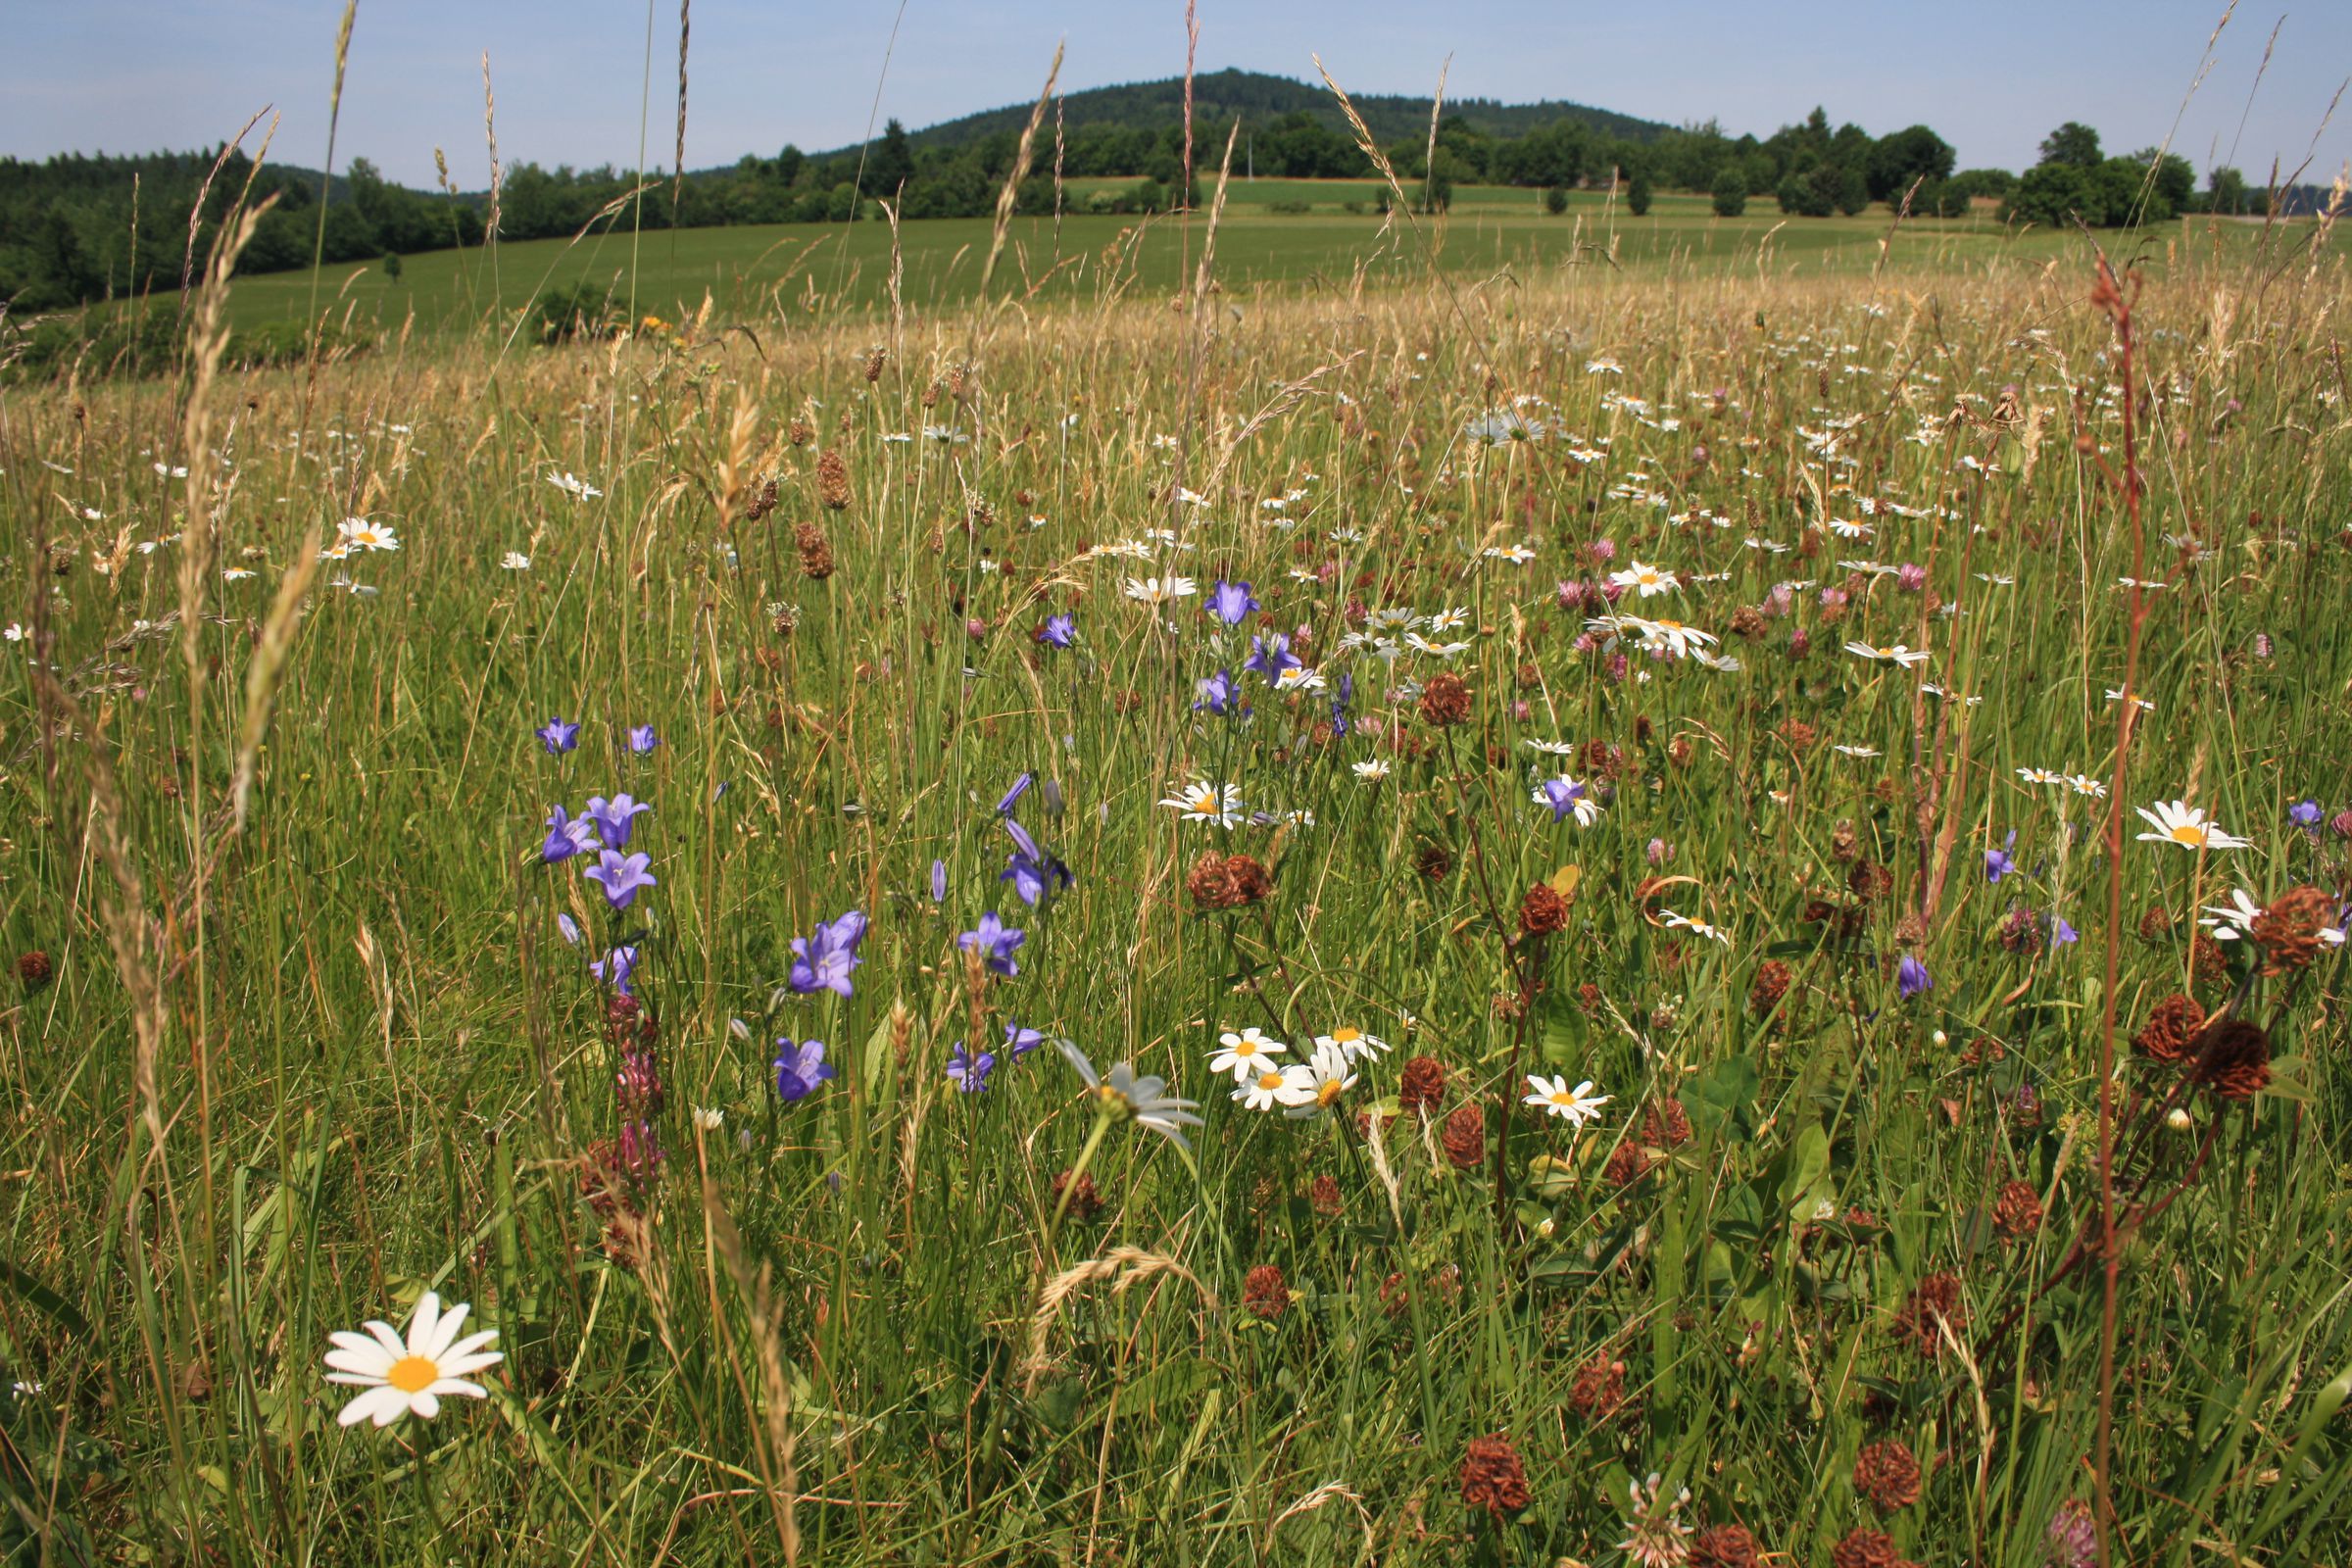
pixel 557 737
pixel 824 962
pixel 1270 656
pixel 621 876
pixel 1911 977
pixel 969 1073
pixel 996 943
pixel 1231 603
pixel 1058 631
pixel 614 817
pixel 800 1067
pixel 566 836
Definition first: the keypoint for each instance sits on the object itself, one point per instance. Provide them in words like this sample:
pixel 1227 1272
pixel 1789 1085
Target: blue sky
pixel 118 76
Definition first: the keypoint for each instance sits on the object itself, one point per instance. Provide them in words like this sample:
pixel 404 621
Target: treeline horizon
pixel 77 229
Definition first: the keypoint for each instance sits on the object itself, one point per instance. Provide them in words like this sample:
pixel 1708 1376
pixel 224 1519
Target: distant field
pixel 758 273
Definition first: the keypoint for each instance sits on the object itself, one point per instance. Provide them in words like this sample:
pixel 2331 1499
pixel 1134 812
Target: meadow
pixel 801 271
pixel 1677 914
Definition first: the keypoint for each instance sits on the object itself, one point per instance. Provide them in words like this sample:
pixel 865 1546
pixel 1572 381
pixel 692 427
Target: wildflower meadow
pixel 1679 915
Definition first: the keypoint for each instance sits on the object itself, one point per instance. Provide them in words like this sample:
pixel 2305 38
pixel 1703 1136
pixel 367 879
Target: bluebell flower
pixel 800 1068
pixel 557 737
pixel 1911 978
pixel 1013 796
pixel 1271 655
pixel 1021 1042
pixel 570 927
pixel 566 836
pixel 1340 699
pixel 615 968
pixel 1058 631
pixel 1216 695
pixel 642 739
pixel 939 881
pixel 621 876
pixel 969 1073
pixel 824 962
pixel 996 943
pixel 1033 872
pixel 614 817
pixel 1231 603
pixel 2306 816
pixel 2060 932
pixel 1997 864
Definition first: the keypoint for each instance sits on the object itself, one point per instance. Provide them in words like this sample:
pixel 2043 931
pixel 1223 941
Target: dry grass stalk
pixel 1021 157
pixel 1126 1266
pixel 778 1469
pixel 498 178
pixel 267 672
pixel 677 178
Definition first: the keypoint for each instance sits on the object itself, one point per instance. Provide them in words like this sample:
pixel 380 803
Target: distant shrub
pixel 1292 209
pixel 1555 200
pixel 576 311
pixel 92 343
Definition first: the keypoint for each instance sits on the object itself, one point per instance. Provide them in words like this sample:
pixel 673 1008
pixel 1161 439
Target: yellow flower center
pixel 2188 833
pixel 1329 1092
pixel 1346 1037
pixel 413 1374
pixel 1563 1098
pixel 1269 1081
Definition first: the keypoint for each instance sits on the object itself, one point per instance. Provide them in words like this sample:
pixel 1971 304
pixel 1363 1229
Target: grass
pixel 278 1078
pixel 793 273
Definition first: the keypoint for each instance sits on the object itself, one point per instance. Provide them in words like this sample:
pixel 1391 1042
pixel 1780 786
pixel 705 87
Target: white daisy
pixel 2179 823
pixel 2040 775
pixel 1352 1042
pixel 1160 590
pixel 517 560
pixel 410 1376
pixel 1245 1051
pixel 1647 579
pixel 1555 1098
pixel 1895 655
pixel 1262 1089
pixel 1202 801
pixel 1372 771
pixel 1313 1086
pixel 1697 927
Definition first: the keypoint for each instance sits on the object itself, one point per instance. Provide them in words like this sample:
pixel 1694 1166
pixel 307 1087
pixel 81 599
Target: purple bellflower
pixel 1997 864
pixel 1911 977
pixel 621 876
pixel 1021 1042
pixel 1271 655
pixel 996 943
pixel 800 1067
pixel 1217 695
pixel 1033 873
pixel 557 737
pixel 969 1073
pixel 566 836
pixel 642 739
pixel 824 962
pixel 615 968
pixel 1058 631
pixel 614 817
pixel 1231 603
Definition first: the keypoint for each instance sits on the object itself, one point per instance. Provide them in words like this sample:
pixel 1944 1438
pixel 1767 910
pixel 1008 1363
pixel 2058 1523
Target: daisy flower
pixel 411 1375
pixel 2040 775
pixel 2084 784
pixel 1555 1098
pixel 1262 1089
pixel 1517 555
pixel 572 484
pixel 517 560
pixel 1311 1087
pixel 1160 590
pixel 1372 771
pixel 359 534
pixel 1353 1042
pixel 1243 1053
pixel 1863 752
pixel 1697 927
pixel 1144 1100
pixel 1648 580
pixel 1896 654
pixel 2179 823
pixel 1202 801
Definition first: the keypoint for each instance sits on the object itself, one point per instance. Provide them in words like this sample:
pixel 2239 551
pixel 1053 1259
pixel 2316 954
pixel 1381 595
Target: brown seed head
pixel 1494 1479
pixel 1444 701
pixel 2018 1213
pixel 1933 1303
pixel 1465 1137
pixel 817 551
pixel 1085 1202
pixel 1887 1475
pixel 1726 1547
pixel 2289 929
pixel 1265 1292
pixel 1422 1085
pixel 1865 1548
pixel 2233 1059
pixel 2171 1025
pixel 833 480
pixel 34 971
pixel 1543 910
pixel 1771 985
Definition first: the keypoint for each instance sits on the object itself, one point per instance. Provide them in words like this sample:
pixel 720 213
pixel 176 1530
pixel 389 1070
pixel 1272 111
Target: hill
pixel 1259 98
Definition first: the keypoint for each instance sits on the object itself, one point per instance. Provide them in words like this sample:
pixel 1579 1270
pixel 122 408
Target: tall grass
pixel 305 1041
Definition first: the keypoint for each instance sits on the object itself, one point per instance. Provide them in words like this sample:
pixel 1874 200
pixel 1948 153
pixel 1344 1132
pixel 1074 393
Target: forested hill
pixel 1257 99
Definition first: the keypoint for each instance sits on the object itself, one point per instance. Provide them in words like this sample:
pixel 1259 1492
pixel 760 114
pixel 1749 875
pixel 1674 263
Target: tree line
pixel 75 228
